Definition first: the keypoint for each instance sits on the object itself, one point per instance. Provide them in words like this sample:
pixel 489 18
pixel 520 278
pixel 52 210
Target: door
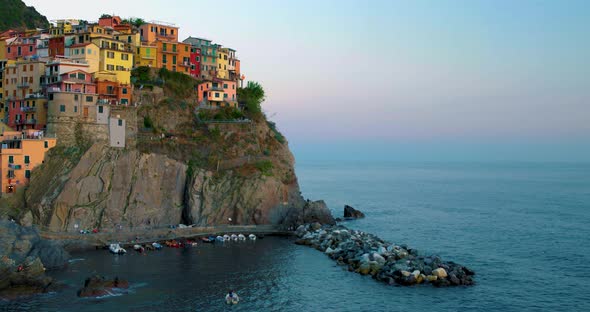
pixel 85 112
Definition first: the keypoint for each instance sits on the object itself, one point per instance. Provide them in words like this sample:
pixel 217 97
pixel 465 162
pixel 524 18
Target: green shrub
pixel 147 122
pixel 265 167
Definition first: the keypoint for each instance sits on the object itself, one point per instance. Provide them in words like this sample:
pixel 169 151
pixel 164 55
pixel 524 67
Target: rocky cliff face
pixel 191 173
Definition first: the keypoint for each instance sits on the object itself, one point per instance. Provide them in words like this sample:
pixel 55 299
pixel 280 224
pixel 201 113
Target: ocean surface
pixel 523 227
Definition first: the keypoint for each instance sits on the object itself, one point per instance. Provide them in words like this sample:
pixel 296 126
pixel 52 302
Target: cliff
pixel 16 14
pixel 179 168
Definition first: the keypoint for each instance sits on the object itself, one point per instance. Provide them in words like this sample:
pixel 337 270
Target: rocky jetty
pixel 98 286
pixel 367 254
pixel 24 256
pixel 351 213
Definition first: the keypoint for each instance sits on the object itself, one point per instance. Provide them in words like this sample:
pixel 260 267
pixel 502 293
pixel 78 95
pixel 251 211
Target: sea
pixel 524 229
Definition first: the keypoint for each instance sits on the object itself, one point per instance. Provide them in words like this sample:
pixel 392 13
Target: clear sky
pixel 401 80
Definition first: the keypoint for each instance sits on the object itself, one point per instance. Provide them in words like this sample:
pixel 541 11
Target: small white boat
pixel 219 238
pixel 232 299
pixel 234 237
pixel 117 249
pixel 138 248
pixel 226 237
pixel 252 237
pixel 157 246
pixel 241 237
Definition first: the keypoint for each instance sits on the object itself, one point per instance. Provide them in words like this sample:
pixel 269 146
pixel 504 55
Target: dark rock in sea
pixel 98 286
pixel 351 213
pixel 367 254
pixel 24 256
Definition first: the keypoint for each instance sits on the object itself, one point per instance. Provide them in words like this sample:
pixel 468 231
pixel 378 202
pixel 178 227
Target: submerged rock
pixel 98 286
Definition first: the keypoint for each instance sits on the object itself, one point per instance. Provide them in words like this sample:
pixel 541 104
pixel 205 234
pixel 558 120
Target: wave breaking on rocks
pixel 367 254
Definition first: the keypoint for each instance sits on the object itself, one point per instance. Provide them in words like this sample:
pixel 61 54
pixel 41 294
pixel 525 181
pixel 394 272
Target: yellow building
pixel 20 153
pixel 115 57
pixel 2 49
pixel 146 55
pixel 63 27
pixel 85 52
pixel 223 63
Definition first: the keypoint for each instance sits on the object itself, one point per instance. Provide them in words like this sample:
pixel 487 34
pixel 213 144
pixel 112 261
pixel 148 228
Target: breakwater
pixel 367 254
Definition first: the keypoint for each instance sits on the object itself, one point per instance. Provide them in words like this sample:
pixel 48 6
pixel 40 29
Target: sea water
pixel 523 227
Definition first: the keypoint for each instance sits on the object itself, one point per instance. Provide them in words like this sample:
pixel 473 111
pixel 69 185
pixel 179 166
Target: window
pixel 164 59
pixel 173 59
pixel 173 48
pixel 110 55
pixel 27 160
pixel 82 50
pixel 11 159
pixel 73 75
pixel 75 97
pixel 225 95
pixel 225 85
pixel 100 109
pixel 124 101
pixel 89 51
pixel 62 108
pixel 89 98
pixel 120 122
pixel 81 76
pixel 28 174
pixel 110 67
pixel 75 109
pixel 30 48
pixel 216 94
pixel 121 68
pixel 51 96
pixel 172 31
pixel 125 57
pixel 46 144
pixel 124 90
pixel 164 47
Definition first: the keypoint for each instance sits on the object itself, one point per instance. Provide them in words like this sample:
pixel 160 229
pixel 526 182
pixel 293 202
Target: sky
pixel 479 80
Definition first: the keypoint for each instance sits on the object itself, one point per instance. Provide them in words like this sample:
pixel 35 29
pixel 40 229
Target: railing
pixel 28 109
pixel 34 96
pixel 30 121
pixel 23 85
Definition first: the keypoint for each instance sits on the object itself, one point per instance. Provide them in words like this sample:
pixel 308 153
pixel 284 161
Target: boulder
pixel 351 213
pixel 439 273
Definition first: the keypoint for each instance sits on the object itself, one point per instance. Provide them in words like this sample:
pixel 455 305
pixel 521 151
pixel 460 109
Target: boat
pixel 241 237
pixel 207 239
pixel 232 299
pixel 252 237
pixel 219 238
pixel 234 237
pixel 117 249
pixel 157 245
pixel 173 244
pixel 138 248
pixel 190 243
pixel 226 237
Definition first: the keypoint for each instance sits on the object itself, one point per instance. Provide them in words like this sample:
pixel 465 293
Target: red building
pixel 56 46
pixel 28 113
pixel 195 62
pixel 109 21
pixel 20 47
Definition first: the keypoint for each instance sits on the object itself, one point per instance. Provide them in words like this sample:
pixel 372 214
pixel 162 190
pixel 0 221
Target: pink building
pixel 217 93
pixel 73 81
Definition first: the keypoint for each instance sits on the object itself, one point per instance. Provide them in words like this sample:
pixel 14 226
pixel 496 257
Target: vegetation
pixel 221 114
pixel 134 21
pixel 265 167
pixel 279 136
pixel 251 98
pixel 178 84
pixel 147 122
pixel 16 14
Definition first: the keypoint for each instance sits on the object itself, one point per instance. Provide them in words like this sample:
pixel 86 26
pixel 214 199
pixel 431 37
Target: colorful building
pixel 88 53
pixel 28 113
pixel 20 153
pixel 21 47
pixel 115 57
pixel 109 21
pixel 63 27
pixel 195 62
pixel 22 78
pixel 154 30
pixel 112 92
pixel 174 56
pixel 208 56
pixel 146 55
pixel 222 63
pixel 57 46
pixel 217 93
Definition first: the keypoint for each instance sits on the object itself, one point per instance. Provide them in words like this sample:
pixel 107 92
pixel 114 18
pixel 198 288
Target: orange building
pixel 110 91
pixel 20 153
pixel 174 56
pixel 152 31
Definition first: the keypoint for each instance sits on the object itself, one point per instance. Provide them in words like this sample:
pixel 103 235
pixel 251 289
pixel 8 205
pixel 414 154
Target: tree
pixel 251 98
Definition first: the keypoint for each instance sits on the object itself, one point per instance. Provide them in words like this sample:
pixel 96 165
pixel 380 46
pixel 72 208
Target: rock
pixel 431 278
pixel 316 226
pixel 454 280
pixel 378 258
pixel 440 273
pixel 51 253
pixel 406 273
pixel 97 286
pixel 351 213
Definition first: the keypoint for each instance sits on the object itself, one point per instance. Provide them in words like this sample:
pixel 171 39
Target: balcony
pixel 216 89
pixel 28 109
pixel 23 85
pixel 30 121
pixel 34 96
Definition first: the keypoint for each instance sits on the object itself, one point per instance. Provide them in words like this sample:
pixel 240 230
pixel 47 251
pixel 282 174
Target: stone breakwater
pixel 367 254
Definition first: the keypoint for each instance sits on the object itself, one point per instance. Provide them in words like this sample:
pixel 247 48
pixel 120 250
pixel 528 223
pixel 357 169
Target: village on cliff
pixel 79 72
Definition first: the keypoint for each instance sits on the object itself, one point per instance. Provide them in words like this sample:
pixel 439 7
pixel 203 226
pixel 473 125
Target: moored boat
pixel 117 249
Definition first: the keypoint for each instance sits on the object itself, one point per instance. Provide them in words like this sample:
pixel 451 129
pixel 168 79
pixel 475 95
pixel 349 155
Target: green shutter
pixel 26 159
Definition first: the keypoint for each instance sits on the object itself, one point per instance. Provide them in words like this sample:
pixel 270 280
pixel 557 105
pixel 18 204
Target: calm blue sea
pixel 523 227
